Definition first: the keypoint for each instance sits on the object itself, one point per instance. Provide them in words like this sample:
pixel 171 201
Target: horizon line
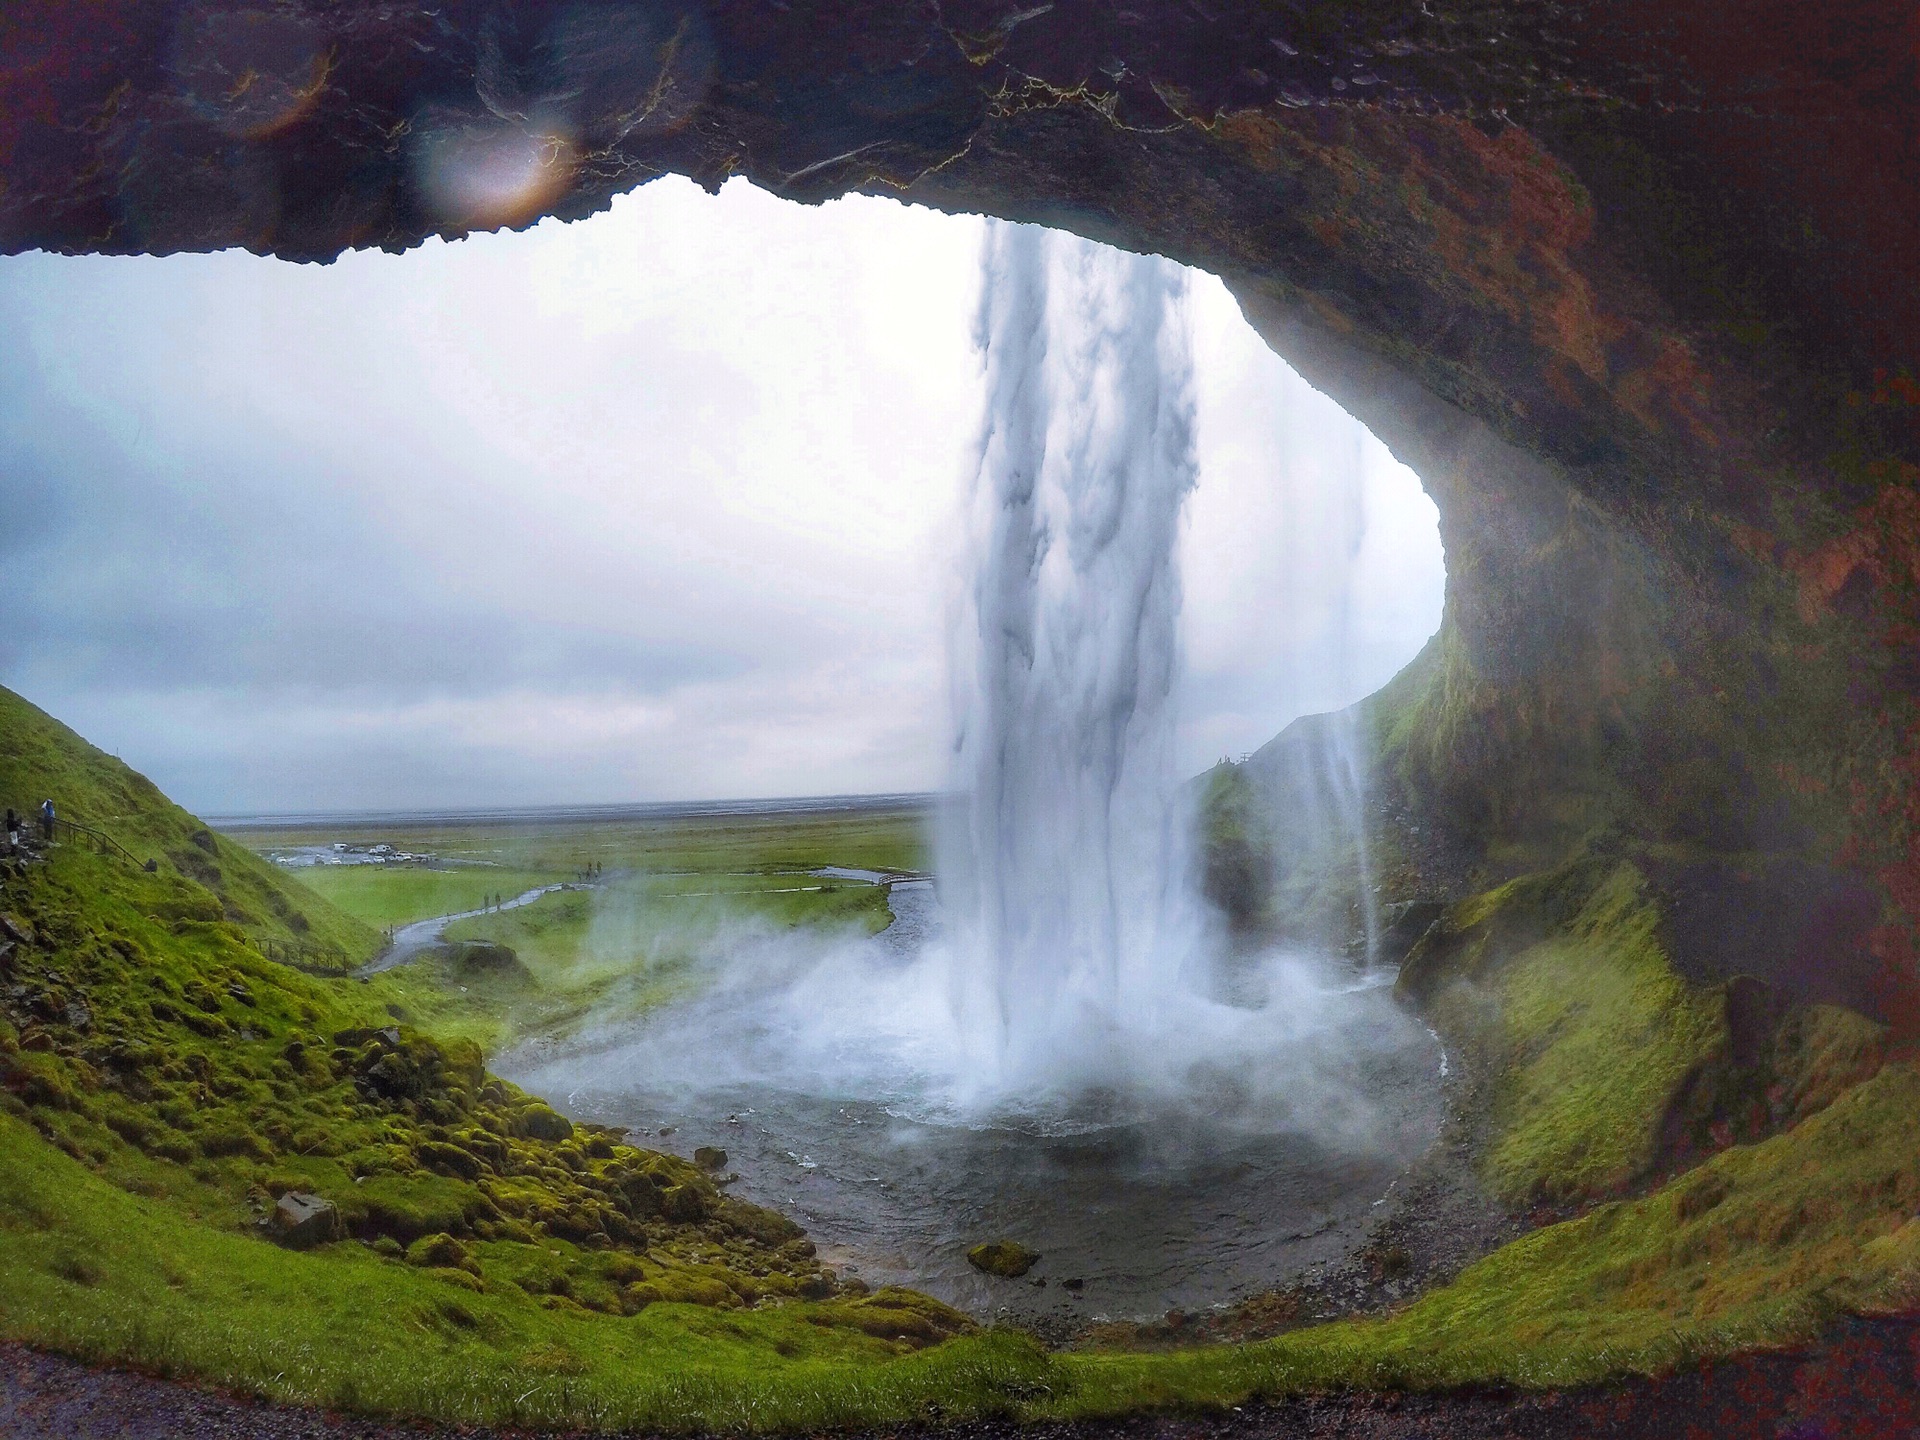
pixel 584 813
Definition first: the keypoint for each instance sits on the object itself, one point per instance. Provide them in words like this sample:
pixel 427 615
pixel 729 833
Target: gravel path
pixel 1862 1383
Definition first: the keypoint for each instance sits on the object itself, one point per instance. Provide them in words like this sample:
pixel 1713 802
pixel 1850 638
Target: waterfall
pixel 1066 881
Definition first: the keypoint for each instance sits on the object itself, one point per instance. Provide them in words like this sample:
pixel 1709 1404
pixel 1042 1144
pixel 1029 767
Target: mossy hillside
pixel 178 1063
pixel 1599 1067
pixel 1587 1036
pixel 215 879
pixel 113 1276
pixel 1763 1245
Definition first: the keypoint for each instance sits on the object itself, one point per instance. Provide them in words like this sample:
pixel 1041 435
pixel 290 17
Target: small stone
pixel 301 1219
pixel 1006 1258
pixel 16 930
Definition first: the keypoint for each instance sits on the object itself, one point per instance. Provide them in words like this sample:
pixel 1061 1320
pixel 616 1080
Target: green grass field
pixel 383 895
pixel 612 952
pixel 667 890
pixel 720 844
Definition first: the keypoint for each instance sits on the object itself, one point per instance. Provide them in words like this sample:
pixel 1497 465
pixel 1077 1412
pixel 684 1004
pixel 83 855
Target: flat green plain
pixel 384 895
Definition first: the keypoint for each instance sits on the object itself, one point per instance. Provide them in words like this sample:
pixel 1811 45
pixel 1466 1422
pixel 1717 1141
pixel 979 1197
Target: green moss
pixel 1559 991
pixel 98 1272
pixel 1821 1053
pixel 1804 1224
pixel 203 877
pixel 1006 1258
pixel 175 1062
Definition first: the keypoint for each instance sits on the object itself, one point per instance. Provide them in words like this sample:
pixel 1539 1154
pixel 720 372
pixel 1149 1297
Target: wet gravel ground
pixel 1861 1383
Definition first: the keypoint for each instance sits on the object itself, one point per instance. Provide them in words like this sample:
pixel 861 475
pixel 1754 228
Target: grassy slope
pixel 109 1275
pixel 40 757
pixel 1760 1246
pixel 134 1146
pixel 1559 989
pixel 161 1082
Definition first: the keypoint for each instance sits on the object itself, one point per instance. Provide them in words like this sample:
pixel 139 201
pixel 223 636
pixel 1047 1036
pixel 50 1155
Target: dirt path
pixel 1861 1383
pixel 410 940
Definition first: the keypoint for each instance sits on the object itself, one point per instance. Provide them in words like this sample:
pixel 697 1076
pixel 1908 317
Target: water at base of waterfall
pixel 1150 1202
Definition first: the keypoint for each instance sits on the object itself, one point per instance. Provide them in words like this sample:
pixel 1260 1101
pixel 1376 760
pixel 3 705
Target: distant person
pixel 46 820
pixel 13 826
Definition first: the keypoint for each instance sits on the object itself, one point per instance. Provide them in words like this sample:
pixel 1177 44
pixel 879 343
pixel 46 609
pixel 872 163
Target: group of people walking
pixel 16 823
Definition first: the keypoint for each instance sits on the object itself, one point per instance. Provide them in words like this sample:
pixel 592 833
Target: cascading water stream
pixel 1054 1049
pixel 1066 883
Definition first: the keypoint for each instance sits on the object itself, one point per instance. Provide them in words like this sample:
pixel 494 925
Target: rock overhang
pixel 1635 288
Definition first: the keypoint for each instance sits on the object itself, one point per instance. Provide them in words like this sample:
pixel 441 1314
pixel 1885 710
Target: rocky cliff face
pixel 1634 287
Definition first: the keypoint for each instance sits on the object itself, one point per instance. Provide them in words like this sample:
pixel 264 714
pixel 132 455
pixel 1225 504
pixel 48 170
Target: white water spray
pixel 1066 885
pixel 1069 979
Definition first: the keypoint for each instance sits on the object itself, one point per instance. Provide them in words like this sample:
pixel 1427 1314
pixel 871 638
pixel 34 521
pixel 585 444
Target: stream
pixel 410 940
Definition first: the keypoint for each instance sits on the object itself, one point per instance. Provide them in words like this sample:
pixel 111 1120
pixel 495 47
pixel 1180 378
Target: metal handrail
pixel 31 821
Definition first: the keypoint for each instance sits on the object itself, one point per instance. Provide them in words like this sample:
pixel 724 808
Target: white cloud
pixel 656 505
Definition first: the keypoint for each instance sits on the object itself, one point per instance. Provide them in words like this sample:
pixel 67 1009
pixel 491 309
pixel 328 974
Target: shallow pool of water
pixel 1148 1208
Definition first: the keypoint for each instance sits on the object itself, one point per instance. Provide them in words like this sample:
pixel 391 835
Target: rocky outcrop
pixel 300 1219
pixel 1635 288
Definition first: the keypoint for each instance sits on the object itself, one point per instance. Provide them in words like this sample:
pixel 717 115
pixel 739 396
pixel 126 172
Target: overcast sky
pixel 659 505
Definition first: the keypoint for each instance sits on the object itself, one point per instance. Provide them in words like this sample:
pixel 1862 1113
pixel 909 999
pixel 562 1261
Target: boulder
pixel 687 1204
pixel 1402 925
pixel 542 1122
pixel 710 1157
pixel 1005 1258
pixel 441 1252
pixel 301 1219
pixel 474 959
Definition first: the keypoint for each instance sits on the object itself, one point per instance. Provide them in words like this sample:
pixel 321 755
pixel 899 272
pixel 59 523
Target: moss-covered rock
pixel 1006 1258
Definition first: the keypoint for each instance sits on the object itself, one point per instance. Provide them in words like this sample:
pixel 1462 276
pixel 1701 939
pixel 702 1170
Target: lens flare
pixel 483 174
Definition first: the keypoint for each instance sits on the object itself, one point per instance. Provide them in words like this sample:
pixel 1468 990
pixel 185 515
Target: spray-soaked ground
pixel 822 1079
